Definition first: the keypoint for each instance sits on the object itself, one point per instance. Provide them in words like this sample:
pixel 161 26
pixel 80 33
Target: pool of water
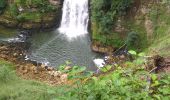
pixel 6 33
pixel 57 49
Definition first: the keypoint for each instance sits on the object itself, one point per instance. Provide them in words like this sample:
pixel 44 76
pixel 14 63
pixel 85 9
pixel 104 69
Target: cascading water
pixel 75 18
pixel 57 48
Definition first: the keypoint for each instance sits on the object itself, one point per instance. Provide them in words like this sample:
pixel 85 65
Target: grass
pixel 161 46
pixel 119 84
pixel 15 88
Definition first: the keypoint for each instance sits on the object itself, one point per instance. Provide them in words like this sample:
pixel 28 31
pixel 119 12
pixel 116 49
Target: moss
pixel 161 40
pixel 30 16
pixel 35 14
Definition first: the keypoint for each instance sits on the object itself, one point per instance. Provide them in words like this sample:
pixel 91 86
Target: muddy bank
pixel 98 47
pixel 15 53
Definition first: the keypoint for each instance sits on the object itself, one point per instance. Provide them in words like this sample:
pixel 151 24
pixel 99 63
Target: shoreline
pixel 15 53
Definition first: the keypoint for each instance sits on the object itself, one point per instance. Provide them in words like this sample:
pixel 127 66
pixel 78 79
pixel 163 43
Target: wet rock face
pixel 7 21
pixel 21 37
pixel 55 2
pixel 47 20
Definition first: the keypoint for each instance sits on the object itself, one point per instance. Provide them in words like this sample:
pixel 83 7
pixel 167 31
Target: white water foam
pixel 99 63
pixel 75 18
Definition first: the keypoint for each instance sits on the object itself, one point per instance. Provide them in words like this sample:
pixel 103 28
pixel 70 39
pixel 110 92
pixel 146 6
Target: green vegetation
pixel 2 5
pixel 30 12
pixel 128 81
pixel 160 42
pixel 106 12
pixel 14 88
pixel 104 17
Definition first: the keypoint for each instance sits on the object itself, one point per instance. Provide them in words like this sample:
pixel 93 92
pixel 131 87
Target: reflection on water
pixel 6 33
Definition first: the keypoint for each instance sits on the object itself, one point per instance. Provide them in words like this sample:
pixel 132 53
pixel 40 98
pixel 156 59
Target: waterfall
pixel 75 18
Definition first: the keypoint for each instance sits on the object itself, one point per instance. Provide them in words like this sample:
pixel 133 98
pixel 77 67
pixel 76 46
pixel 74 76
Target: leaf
pixel 141 54
pixel 87 74
pixel 154 77
pixel 77 69
pixel 106 68
pixel 139 61
pixel 165 81
pixel 157 97
pixel 165 90
pixel 132 52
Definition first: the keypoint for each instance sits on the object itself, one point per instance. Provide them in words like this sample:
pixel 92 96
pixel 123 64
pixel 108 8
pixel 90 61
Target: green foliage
pixel 76 72
pixel 2 5
pixel 13 10
pixel 105 13
pixel 109 40
pixel 121 84
pixel 106 68
pixel 42 6
pixel 133 40
pixel 127 81
pixel 139 58
pixel 29 16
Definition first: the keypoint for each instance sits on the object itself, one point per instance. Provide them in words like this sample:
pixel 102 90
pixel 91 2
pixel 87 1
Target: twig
pixel 120 48
pixel 153 70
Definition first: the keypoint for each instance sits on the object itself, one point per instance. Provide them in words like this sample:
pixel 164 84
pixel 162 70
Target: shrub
pixel 133 40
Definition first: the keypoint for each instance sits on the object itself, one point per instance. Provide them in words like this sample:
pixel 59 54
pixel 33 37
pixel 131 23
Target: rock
pixel 8 21
pixel 23 68
pixel 54 2
pixel 67 68
pixel 50 73
pixel 31 25
pixel 122 57
pixel 50 68
pixel 32 67
pixel 64 77
pixel 15 54
pixel 57 73
pixel 40 68
pixel 43 66
pixel 54 73
pixel 35 71
pixel 25 71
